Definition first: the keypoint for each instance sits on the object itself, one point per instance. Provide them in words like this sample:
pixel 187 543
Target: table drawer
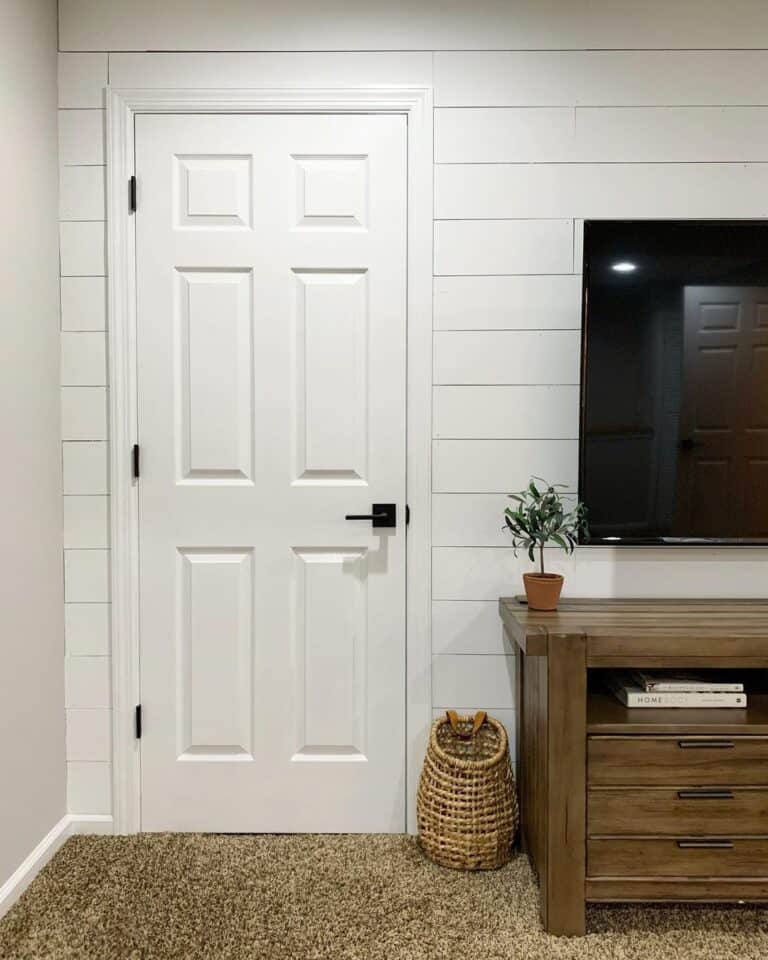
pixel 677 811
pixel 677 889
pixel 679 857
pixel 677 760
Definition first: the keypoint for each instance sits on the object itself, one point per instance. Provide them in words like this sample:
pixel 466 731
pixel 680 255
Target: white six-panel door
pixel 271 332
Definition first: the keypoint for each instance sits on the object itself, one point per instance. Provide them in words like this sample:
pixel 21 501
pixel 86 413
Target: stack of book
pixel 637 688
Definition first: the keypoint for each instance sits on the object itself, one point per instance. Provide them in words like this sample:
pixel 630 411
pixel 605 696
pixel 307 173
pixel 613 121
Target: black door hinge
pixel 407 514
pixel 136 461
pixel 137 721
pixel 132 195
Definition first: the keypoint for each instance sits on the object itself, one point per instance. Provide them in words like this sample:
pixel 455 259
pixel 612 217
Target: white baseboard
pixel 21 878
pixel 91 823
pixel 69 824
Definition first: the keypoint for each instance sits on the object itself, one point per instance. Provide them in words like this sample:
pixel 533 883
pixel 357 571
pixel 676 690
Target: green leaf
pixel 560 541
pixel 541 515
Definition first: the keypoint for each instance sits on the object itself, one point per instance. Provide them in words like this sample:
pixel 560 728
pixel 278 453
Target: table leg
pixel 566 779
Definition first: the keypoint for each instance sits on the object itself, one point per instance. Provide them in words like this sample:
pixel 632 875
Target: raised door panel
pixel 755 500
pixel 213 191
pixel 214 375
pixel 710 481
pixel 215 655
pixel 757 403
pixel 331 641
pixel 714 394
pixel 332 376
pixel 332 192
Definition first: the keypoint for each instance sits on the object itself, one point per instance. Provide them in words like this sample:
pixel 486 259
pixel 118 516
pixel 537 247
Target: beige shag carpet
pixel 169 896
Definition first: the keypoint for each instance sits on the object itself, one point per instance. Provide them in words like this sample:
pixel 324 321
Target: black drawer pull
pixel 705 744
pixel 704 795
pixel 705 844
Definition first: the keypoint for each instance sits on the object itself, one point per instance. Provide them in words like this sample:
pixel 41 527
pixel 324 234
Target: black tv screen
pixel 674 387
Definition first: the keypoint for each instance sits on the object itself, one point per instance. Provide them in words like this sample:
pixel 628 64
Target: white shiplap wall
pixel 527 145
pixel 84 430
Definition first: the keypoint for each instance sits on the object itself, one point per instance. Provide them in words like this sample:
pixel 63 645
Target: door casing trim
pixel 122 107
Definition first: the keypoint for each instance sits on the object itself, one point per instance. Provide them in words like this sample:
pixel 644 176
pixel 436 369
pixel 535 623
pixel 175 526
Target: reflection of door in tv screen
pixel 722 486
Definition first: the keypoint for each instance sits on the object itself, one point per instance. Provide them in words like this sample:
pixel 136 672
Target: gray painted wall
pixel 32 765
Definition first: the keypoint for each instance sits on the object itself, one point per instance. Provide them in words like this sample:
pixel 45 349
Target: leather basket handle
pixel 453 719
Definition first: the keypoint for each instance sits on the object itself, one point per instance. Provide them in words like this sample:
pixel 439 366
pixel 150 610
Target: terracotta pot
pixel 543 590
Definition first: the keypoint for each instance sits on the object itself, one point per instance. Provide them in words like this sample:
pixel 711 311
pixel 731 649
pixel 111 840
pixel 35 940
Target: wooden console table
pixel 645 804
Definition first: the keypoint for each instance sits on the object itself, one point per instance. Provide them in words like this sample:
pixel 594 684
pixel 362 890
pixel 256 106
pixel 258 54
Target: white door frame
pixel 122 107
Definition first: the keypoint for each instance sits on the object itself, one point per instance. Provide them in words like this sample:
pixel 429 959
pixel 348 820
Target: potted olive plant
pixel 540 517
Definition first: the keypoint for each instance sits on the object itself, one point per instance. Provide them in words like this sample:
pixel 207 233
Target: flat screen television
pixel 673 442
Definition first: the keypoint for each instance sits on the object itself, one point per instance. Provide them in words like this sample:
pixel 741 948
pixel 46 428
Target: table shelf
pixel 606 715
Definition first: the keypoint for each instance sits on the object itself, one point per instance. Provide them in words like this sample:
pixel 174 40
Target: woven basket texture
pixel 467 802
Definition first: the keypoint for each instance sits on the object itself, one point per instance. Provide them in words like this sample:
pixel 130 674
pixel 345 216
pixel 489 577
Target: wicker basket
pixel 467 802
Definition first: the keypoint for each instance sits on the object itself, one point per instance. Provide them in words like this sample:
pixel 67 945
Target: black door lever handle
pixel 381 515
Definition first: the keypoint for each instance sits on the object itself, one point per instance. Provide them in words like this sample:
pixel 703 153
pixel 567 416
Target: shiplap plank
pixel 81 137
pixel 494 135
pixel 86 522
pixel 495 357
pixel 81 193
pixel 82 79
pixel 468 627
pixel 82 249
pixel 601 134
pixel 601 78
pixel 506 412
pixel 85 467
pixel 486 573
pixel 489 680
pixel 498 466
pixel 89 735
pixel 602 190
pixel 244 70
pixel 86 629
pixel 480 573
pixel 469 520
pixel 84 413
pixel 86 576
pixel 421 25
pixel 87 681
pixel 503 246
pixel 508 303
pixel 473 519
pixel 89 788
pixel 83 359
pixel 704 190
pixel 83 303
pixel 671 134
